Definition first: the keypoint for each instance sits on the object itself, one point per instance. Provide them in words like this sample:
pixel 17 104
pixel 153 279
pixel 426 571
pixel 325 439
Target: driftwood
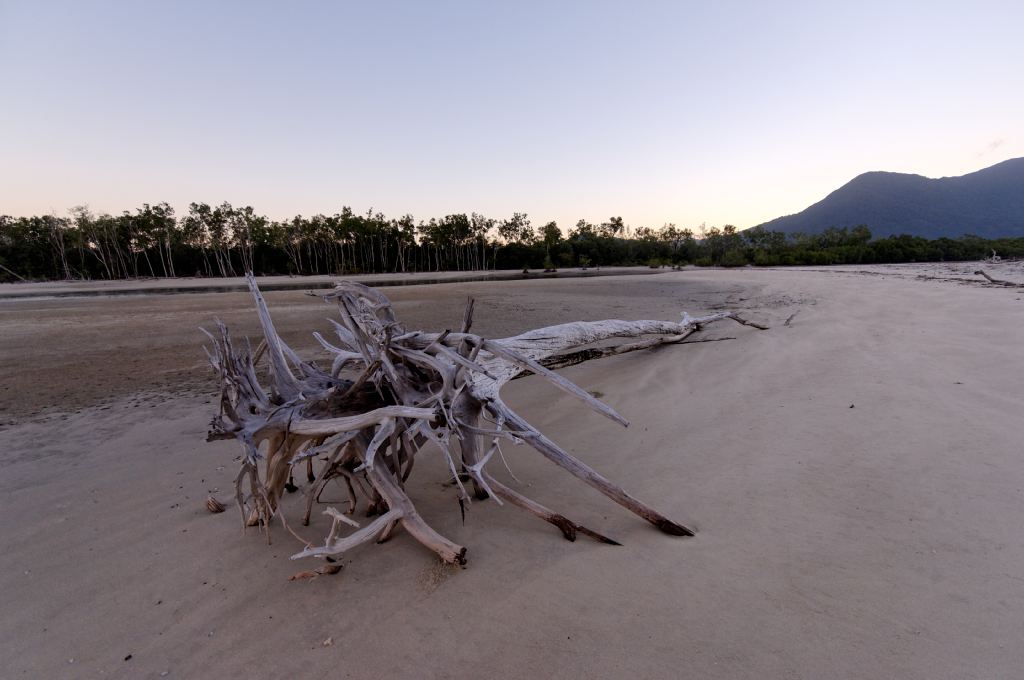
pixel 999 282
pixel 387 393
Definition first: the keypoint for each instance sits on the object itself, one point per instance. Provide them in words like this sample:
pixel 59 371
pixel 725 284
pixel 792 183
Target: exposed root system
pixel 390 391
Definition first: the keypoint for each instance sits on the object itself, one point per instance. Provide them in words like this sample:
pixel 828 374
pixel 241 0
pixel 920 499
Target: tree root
pixel 999 282
pixel 389 392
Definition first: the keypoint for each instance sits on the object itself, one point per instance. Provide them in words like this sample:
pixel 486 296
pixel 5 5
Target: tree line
pixel 224 240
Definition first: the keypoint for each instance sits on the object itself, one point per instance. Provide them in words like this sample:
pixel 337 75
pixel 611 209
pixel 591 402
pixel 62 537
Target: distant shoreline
pixel 191 285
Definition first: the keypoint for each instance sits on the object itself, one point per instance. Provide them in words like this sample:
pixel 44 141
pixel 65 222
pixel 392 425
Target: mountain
pixel 987 203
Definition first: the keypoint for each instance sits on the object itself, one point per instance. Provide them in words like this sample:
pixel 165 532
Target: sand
pixel 855 476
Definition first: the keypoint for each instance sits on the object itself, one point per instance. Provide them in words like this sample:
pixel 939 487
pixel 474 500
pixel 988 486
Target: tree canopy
pixel 224 240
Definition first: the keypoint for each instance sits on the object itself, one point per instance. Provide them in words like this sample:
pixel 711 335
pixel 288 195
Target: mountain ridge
pixel 988 203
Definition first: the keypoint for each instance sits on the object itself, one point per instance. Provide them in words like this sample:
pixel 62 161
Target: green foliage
pixel 550 235
pixel 223 240
pixel 734 258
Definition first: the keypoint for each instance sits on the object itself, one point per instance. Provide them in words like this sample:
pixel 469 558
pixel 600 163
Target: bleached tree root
pixel 568 528
pixel 999 282
pixel 388 394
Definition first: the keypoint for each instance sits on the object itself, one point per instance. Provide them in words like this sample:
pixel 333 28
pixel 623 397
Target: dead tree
pixel 998 282
pixel 388 393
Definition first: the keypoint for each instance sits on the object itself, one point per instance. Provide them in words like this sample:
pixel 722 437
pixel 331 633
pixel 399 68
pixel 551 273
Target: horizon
pixel 181 211
pixel 689 115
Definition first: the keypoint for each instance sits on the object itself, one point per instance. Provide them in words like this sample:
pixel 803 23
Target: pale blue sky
pixel 684 112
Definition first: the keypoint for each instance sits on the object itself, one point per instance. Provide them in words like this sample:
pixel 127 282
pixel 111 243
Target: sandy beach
pixel 854 473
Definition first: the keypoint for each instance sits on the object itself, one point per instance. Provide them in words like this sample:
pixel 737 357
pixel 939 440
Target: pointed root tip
pixel 670 527
pixel 601 538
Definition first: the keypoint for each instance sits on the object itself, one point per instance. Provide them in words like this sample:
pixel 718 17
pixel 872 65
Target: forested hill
pixel 987 203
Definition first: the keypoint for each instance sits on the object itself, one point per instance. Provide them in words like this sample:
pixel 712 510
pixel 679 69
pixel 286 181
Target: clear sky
pixel 684 112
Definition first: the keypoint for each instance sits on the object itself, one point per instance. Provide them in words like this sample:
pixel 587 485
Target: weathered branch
pixel 999 282
pixel 390 391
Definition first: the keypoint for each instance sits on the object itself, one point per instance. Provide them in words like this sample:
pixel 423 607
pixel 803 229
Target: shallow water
pixel 326 285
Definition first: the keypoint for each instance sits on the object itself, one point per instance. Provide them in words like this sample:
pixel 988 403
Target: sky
pixel 662 112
